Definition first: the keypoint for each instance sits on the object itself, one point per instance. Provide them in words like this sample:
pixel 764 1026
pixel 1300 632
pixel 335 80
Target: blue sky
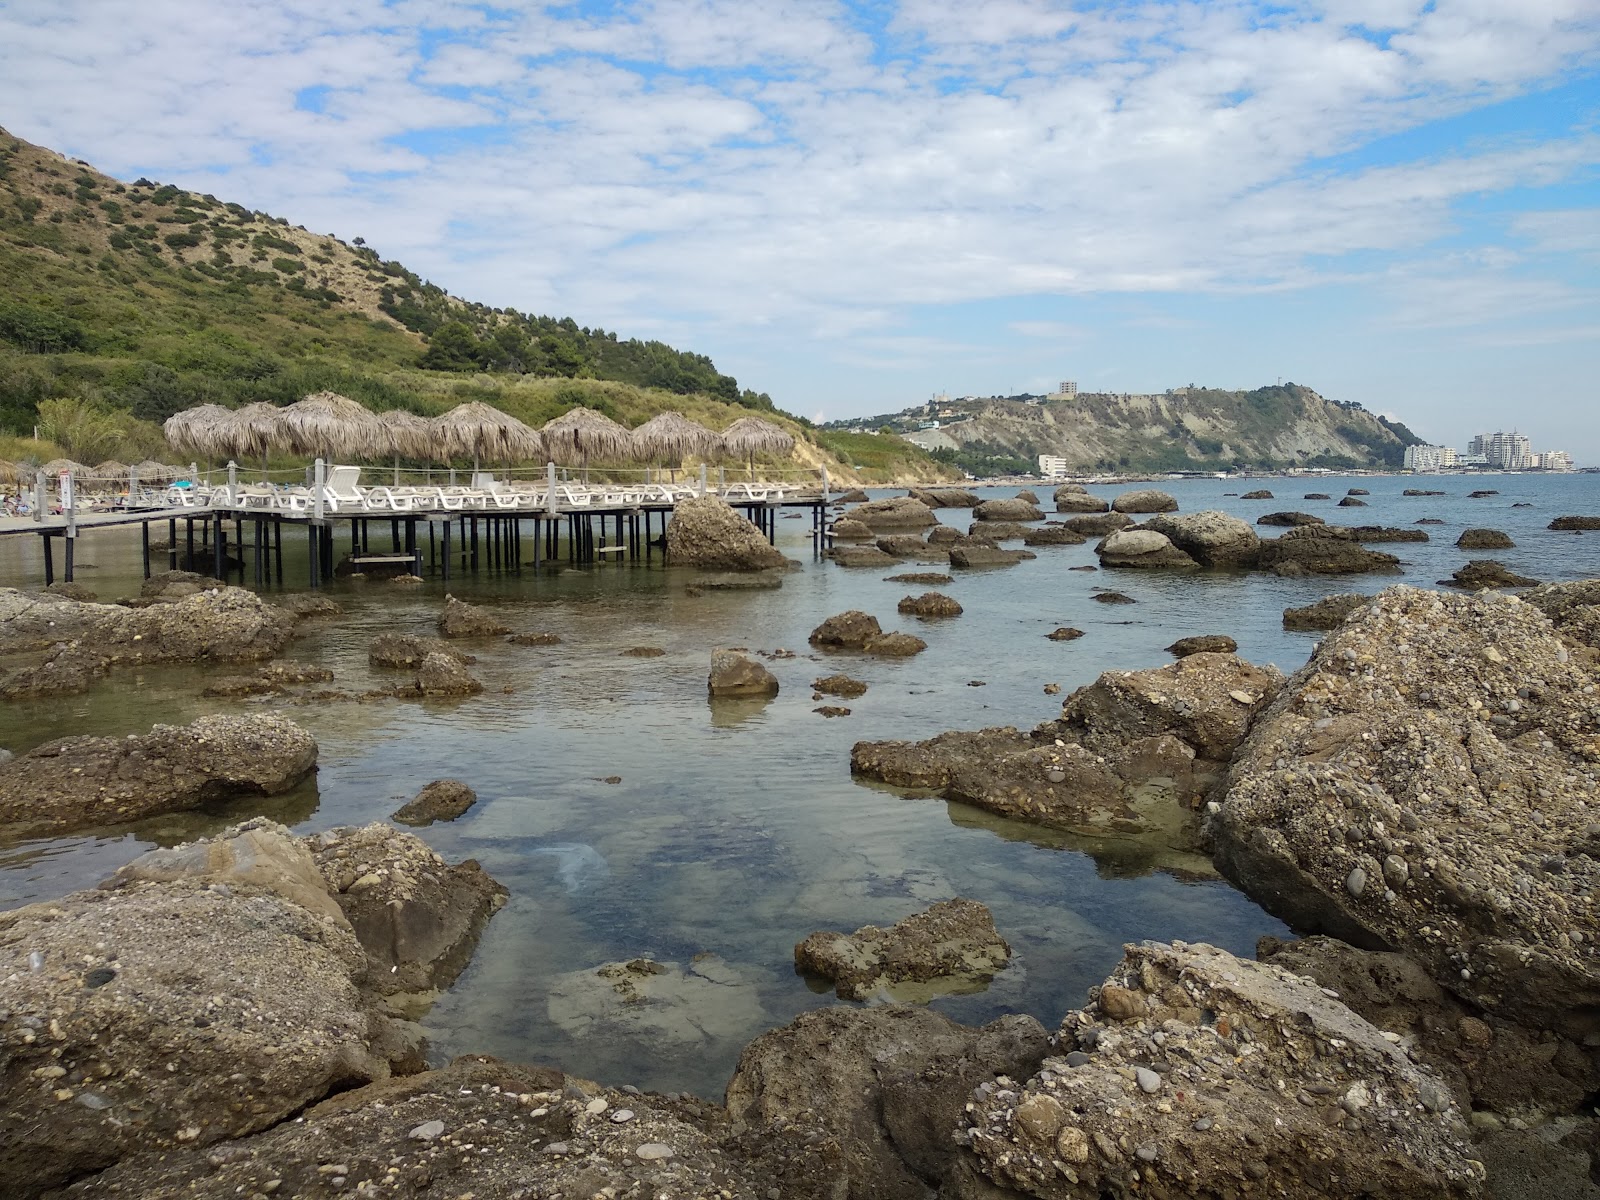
pixel 853 206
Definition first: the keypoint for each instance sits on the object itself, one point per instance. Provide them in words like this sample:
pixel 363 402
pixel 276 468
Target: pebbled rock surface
pixel 951 947
pixel 403 650
pixel 839 685
pixel 929 604
pixel 1195 1073
pixel 1573 608
pixel 442 675
pixel 1212 539
pixel 1327 613
pixel 1145 500
pixel 78 781
pixel 1141 548
pixel 1426 784
pixel 886 1086
pixel 463 620
pixel 1387 533
pixel 705 532
pixel 850 630
pixel 736 674
pixel 441 800
pixel 1322 550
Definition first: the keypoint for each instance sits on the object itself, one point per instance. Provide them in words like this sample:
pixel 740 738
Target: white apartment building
pixel 1507 451
pixel 1052 466
pixel 1068 389
pixel 1429 458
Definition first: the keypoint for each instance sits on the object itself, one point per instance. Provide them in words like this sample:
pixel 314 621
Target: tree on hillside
pixel 453 347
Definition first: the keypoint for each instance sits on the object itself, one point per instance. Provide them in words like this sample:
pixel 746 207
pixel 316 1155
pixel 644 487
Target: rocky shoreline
pixel 235 1016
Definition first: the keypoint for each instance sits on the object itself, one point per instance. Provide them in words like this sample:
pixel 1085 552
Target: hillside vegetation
pixel 126 302
pixel 1185 429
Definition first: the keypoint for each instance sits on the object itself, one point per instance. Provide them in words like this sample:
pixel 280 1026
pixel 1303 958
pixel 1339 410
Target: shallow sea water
pixel 736 828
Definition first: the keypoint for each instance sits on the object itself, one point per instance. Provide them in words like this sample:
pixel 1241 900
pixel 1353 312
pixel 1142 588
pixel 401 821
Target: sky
pixel 854 206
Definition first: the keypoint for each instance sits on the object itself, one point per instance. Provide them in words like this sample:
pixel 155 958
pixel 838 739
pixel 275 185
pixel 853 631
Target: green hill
pixel 126 302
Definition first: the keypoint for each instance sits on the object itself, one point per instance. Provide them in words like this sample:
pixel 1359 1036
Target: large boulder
pixel 463 620
pixel 81 641
pixel 1079 502
pixel 1484 539
pixel 1195 1073
pixel 1140 548
pixel 979 553
pixel 1098 524
pixel 532 1132
pixel 897 512
pixel 850 630
pixel 1322 550
pixel 946 497
pixel 736 674
pixel 1211 538
pixel 1327 613
pixel 952 946
pixel 1289 519
pixel 441 800
pixel 1052 534
pixel 1426 784
pixel 78 781
pixel 1145 500
pixel 177 1007
pixel 930 604
pixel 1483 573
pixel 1571 524
pixel 403 650
pixel 705 532
pixel 886 1085
pixel 1016 509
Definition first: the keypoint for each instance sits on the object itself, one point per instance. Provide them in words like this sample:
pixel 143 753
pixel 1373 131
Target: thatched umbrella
pixel 111 469
pixel 410 436
pixel 11 472
pixel 157 472
pixel 57 465
pixel 581 433
pixel 331 425
pixel 671 437
pixel 245 432
pixel 188 431
pixel 749 436
pixel 485 432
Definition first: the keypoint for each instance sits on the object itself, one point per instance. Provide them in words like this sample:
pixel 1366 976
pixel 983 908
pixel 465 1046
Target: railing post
pixel 38 495
pixel 319 476
pixel 824 483
pixel 550 487
pixel 233 482
pixel 702 490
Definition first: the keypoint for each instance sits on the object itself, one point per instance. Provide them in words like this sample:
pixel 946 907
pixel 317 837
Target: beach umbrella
pixel 11 472
pixel 671 437
pixel 750 436
pixel 57 465
pixel 582 433
pixel 332 426
pixel 485 432
pixel 246 432
pixel 410 436
pixel 188 430
pixel 157 472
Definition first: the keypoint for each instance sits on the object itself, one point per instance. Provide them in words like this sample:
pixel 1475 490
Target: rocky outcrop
pixel 1569 524
pixel 850 630
pixel 271 679
pixel 1098 524
pixel 977 553
pixel 80 641
pixel 1484 539
pixel 1327 613
pixel 946 497
pixel 928 578
pixel 1052 534
pixel 1423 492
pixel 1482 573
pixel 1210 538
pixel 1016 509
pixel 736 674
pixel 1064 633
pixel 403 650
pixel 895 645
pixel 1317 496
pixel 997 531
pixel 853 496
pixel 463 620
pixel 929 604
pixel 951 947
pixel 1204 643
pixel 1290 519
pixel 1352 502
pixel 1387 533
pixel 849 529
pixel 1322 550
pixel 441 800
pixel 1258 494
pixel 1079 502
pixel 907 545
pixel 1104 597
pixel 897 512
pixel 887 1086
pixel 1480 493
pixel 839 685
pixel 1141 548
pixel 442 675
pixel 1425 784
pixel 1358 492
pixel 1146 500
pixel 942 536
pixel 705 532
pixel 861 556
pixel 1195 1073
pixel 77 781
pixel 1573 608
pixel 533 1131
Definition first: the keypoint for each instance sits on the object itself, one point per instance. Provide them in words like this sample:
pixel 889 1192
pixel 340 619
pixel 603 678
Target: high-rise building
pixel 1506 451
pixel 1429 458
pixel 1068 388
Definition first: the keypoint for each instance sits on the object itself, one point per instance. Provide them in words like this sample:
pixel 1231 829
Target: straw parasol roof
pixel 484 432
pixel 673 437
pixel 751 435
pixel 11 472
pixel 582 433
pixel 111 469
pixel 255 429
pixel 187 430
pixel 326 423
pixel 57 465
pixel 410 436
pixel 151 471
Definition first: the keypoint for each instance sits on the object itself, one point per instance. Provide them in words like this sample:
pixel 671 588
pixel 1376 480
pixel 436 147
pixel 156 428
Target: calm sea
pixel 735 829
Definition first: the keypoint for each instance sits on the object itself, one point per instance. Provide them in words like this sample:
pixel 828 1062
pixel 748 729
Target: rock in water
pixel 1293 519
pixel 1052 534
pixel 403 650
pixel 1322 550
pixel 1327 613
pixel 1222 1074
pixel 1141 548
pixel 861 556
pixel 1484 539
pixel 441 800
pixel 897 512
pixel 1569 524
pixel 1008 510
pixel 462 620
pixel 978 553
pixel 735 674
pixel 951 947
pixel 839 685
pixel 850 630
pixel 1258 494
pixel 1205 643
pixel 77 781
pixel 1456 735
pixel 705 532
pixel 930 604
pixel 1079 502
pixel 946 497
pixel 887 1085
pixel 848 528
pixel 1484 573
pixel 443 675
pixel 1147 500
pixel 1212 539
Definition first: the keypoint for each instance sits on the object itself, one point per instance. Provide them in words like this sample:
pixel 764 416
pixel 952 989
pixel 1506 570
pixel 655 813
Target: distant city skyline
pixel 851 206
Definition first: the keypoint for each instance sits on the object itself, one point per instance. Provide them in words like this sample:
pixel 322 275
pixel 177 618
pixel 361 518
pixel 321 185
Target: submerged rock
pixel 1327 613
pixel 839 685
pixel 1210 1075
pixel 951 947
pixel 886 1085
pixel 1423 492
pixel 705 532
pixel 656 1004
pixel 78 781
pixel 1064 633
pixel 1482 573
pixel 735 674
pixel 1204 643
pixel 441 800
pixel 462 620
pixel 929 604
pixel 1425 784
pixel 1387 533
pixel 928 578
pixel 895 645
pixel 403 650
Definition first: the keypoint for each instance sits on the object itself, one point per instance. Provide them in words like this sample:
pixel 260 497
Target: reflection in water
pixel 736 831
